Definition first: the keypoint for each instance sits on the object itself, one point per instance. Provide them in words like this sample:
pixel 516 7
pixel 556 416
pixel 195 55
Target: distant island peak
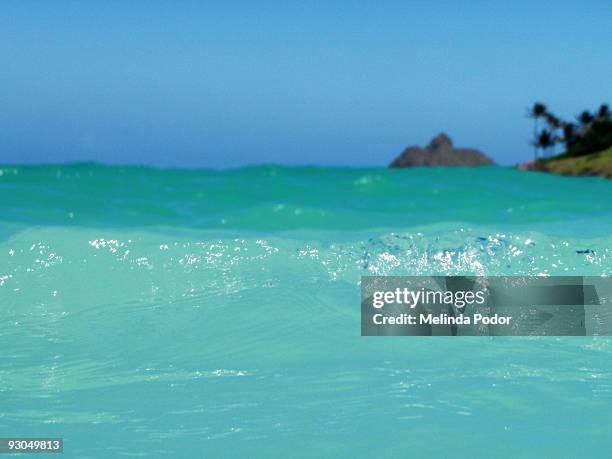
pixel 440 152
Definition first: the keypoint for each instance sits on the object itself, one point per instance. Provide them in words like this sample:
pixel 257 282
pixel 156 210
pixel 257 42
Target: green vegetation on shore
pixel 593 164
pixel 588 143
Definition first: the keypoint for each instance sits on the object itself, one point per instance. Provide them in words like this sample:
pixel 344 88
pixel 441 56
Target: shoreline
pixel 592 165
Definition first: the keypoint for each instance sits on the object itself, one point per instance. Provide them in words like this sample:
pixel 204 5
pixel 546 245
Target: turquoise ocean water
pixel 216 313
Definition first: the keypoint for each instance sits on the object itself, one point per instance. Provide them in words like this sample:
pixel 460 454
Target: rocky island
pixel 440 152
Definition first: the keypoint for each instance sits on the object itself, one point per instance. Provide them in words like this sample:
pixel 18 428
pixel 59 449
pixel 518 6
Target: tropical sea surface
pixel 205 313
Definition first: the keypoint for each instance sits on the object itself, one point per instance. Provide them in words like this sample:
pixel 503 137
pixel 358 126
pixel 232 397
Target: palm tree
pixel 591 133
pixel 537 111
pixel 545 140
pixel 585 118
pixel 552 120
pixel 569 134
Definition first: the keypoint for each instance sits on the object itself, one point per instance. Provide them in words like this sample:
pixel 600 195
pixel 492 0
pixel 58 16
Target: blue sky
pixel 225 84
